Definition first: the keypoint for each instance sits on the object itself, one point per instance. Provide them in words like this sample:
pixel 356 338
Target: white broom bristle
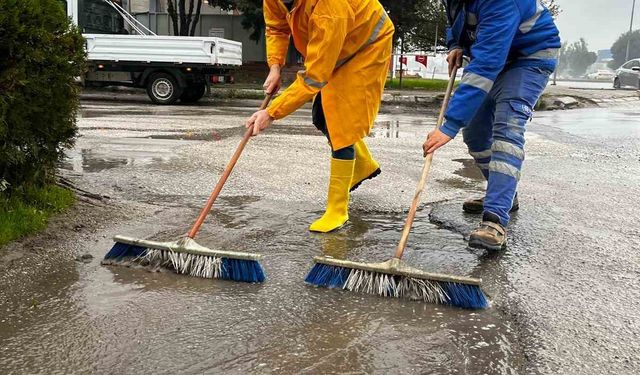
pixel 387 286
pixel 208 267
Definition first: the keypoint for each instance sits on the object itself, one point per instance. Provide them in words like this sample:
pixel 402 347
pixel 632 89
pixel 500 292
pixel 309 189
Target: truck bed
pixel 163 49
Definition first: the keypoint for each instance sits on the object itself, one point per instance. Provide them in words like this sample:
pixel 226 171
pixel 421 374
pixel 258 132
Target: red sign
pixel 402 60
pixel 422 59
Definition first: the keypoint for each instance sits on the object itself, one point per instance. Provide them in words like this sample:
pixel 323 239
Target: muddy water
pixel 123 320
pixel 92 318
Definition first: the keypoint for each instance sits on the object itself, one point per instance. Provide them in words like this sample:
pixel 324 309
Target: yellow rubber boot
pixel 337 212
pixel 366 168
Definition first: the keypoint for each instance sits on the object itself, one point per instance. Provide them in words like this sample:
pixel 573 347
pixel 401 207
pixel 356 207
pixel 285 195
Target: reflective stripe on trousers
pixel 495 136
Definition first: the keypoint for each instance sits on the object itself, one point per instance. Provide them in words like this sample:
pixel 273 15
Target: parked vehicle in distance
pixel 170 68
pixel 628 75
pixel 602 75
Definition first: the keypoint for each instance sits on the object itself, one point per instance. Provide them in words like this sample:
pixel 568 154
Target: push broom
pixel 185 255
pixel 394 278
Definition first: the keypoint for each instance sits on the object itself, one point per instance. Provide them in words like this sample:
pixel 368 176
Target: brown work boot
pixel 490 234
pixel 476 206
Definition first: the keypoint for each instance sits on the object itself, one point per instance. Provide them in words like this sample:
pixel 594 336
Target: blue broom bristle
pixel 123 250
pixel 328 276
pixel 459 295
pixel 249 271
pixel 465 296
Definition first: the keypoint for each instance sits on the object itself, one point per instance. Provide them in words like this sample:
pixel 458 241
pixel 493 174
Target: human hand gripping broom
pixel 186 256
pixel 394 278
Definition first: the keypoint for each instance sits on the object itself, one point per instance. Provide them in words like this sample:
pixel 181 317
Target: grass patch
pixel 25 213
pixel 418 84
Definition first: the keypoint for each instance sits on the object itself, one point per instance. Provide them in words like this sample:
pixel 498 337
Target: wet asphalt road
pixel 565 294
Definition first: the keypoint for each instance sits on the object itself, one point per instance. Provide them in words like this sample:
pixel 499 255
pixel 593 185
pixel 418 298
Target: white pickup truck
pixel 171 68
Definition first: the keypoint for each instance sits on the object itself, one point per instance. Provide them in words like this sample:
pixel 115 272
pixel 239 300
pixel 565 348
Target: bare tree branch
pixel 174 17
pixel 183 17
pixel 196 19
pixel 189 15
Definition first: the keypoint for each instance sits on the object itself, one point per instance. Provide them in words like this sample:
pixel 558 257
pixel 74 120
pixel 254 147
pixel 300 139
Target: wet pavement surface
pixel 565 294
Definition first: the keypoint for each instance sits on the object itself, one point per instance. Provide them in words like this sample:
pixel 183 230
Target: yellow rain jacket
pixel 346 45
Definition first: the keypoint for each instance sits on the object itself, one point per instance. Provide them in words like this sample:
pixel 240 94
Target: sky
pixel 599 22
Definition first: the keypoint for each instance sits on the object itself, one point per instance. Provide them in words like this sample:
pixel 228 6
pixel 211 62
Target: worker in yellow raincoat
pixel 347 49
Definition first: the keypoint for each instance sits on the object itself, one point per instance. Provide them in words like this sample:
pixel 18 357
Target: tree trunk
pixel 183 18
pixel 189 16
pixel 196 19
pixel 171 9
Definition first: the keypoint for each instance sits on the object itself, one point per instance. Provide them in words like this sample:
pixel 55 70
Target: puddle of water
pixel 459 183
pixel 594 122
pixel 130 320
pixel 389 126
pixel 300 128
pixel 121 152
pixel 386 129
pixel 120 110
pixel 469 170
pixel 208 135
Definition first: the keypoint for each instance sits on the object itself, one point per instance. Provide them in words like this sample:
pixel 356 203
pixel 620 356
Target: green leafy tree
pixel 252 18
pixel 416 23
pixel 578 58
pixel 619 48
pixel 41 54
pixel 429 26
pixel 251 10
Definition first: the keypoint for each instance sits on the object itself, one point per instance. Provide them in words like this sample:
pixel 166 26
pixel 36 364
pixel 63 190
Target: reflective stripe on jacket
pixel 495 33
pixel 347 50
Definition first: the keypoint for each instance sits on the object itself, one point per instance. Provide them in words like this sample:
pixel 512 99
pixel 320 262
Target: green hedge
pixel 41 54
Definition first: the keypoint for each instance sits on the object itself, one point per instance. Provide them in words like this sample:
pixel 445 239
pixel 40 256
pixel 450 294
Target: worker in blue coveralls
pixel 512 46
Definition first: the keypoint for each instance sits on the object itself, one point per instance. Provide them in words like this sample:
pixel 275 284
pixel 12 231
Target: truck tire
pixel 193 93
pixel 163 88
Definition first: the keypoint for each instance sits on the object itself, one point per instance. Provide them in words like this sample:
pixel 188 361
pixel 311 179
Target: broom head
pixel 394 278
pixel 186 256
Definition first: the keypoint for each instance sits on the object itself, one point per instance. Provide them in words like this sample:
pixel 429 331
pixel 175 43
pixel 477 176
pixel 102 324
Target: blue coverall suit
pixel 513 46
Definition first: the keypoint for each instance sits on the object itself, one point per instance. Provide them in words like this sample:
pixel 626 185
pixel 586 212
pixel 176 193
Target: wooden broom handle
pixel 225 175
pixel 425 173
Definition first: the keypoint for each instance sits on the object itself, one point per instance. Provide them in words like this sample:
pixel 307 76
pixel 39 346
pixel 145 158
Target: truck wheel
pixel 163 88
pixel 193 93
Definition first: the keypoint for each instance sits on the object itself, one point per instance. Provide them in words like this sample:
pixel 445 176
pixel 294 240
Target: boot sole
pixel 371 176
pixel 476 211
pixel 330 231
pixel 479 244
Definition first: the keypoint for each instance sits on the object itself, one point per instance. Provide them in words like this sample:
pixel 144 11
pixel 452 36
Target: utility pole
pixel 402 58
pixel 555 72
pixel 633 8
pixel 435 42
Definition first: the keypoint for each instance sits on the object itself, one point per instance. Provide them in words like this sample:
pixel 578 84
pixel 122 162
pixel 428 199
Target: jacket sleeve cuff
pixel 273 112
pixel 450 128
pixel 272 60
